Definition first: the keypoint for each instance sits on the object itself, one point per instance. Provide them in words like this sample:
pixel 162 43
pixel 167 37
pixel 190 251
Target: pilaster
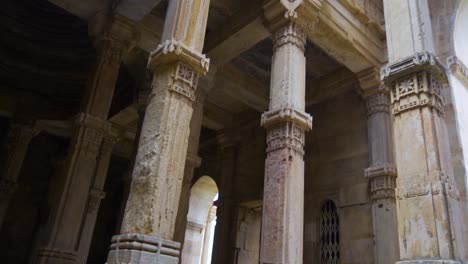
pixel 151 210
pixel 15 149
pixel 286 122
pixel 59 239
pixel 429 217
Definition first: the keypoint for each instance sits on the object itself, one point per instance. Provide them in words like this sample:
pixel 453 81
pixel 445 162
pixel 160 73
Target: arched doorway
pixel 201 221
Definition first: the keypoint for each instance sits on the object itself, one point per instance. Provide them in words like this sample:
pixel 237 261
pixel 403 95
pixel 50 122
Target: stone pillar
pixel 96 194
pixel 148 225
pixel 208 238
pixel 224 244
pixel 286 123
pixel 429 218
pixel 381 172
pixel 192 162
pixel 15 149
pixel 59 240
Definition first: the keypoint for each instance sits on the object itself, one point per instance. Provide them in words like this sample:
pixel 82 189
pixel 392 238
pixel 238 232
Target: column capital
pixel 173 51
pixel 193 160
pixel 291 33
pixel 195 226
pixel 420 61
pixel 113 33
pixel 382 178
pixel 286 114
pixel 95 197
pixel 279 12
pixel 370 82
pixel 378 102
pixel 94 122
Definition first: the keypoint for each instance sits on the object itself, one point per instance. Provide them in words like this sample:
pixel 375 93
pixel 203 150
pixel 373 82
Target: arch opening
pixel 201 222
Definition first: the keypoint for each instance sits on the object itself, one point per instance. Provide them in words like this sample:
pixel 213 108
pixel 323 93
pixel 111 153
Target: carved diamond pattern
pixel 329 234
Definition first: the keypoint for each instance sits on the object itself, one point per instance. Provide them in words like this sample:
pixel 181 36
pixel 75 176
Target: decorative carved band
pixel 300 118
pixel 458 69
pixel 420 89
pixel 383 181
pixel 150 244
pixel 418 185
pixel 290 34
pixel 173 51
pixel 64 256
pixel 195 226
pixel 286 135
pixel 422 61
pixel 184 81
pixel 378 103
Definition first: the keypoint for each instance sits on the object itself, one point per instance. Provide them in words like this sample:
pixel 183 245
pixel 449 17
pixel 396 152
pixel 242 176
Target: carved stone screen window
pixel 329 234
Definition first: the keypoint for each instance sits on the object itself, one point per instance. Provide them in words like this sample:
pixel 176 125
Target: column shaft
pixel 58 241
pixel 96 194
pixel 286 123
pixel 429 217
pixel 15 149
pixel 147 231
pixel 382 176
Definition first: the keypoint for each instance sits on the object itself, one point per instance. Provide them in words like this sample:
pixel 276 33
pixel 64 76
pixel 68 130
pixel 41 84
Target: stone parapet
pixel 143 249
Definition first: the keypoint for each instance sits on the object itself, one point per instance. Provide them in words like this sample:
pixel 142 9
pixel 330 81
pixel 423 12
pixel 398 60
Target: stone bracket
pixel 173 51
pixel 382 180
pixel 300 118
pixel 421 61
pixel 458 69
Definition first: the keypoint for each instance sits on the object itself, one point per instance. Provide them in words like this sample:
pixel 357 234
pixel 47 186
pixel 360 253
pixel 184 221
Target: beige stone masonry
pixel 286 123
pixel 151 210
pixel 58 241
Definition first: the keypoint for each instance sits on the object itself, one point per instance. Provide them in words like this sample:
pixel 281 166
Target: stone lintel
pixel 370 82
pixel 143 249
pixel 282 115
pixel 458 69
pixel 173 52
pixel 421 61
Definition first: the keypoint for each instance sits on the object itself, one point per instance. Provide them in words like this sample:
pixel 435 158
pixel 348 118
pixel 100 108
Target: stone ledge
pixel 300 118
pixel 421 61
pixel 173 51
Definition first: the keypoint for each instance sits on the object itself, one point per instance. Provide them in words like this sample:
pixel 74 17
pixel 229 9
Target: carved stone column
pixel 58 241
pixel 96 194
pixel 286 123
pixel 224 240
pixel 382 170
pixel 148 226
pixel 429 218
pixel 208 238
pixel 15 149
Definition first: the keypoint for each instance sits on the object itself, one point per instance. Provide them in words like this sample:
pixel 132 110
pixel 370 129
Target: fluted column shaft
pixel 382 177
pixel 286 123
pixel 59 240
pixel 429 217
pixel 15 149
pixel 147 232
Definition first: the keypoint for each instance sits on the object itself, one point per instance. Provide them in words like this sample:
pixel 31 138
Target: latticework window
pixel 329 234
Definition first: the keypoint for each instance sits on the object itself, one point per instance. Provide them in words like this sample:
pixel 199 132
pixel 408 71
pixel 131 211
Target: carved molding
pixel 282 115
pixel 289 34
pixel 458 69
pixel 285 135
pixel 417 90
pixel 195 226
pixel 422 61
pixel 378 103
pixel 173 51
pixel 382 180
pixel 62 255
pixel 418 185
pixel 146 243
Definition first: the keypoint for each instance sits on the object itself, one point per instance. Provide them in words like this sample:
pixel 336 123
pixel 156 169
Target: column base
pixel 428 261
pixel 55 256
pixel 142 249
